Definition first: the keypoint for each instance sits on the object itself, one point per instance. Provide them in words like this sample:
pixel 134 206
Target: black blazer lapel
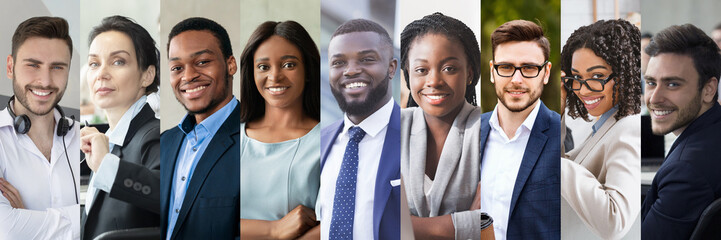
pixel 218 146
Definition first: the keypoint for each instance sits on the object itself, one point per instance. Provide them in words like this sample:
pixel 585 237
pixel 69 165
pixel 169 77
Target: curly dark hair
pixel 454 30
pixel 618 42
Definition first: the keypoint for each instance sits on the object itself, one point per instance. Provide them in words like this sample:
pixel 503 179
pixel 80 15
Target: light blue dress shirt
pixel 197 138
pixel 277 177
pixel 603 119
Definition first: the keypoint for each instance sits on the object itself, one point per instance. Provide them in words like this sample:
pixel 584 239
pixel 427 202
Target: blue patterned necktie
pixel 341 226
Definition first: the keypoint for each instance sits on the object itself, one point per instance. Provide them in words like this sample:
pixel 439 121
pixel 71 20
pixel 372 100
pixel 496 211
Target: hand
pixel 294 224
pixel 11 194
pixel 95 145
pixel 477 199
pixel 563 92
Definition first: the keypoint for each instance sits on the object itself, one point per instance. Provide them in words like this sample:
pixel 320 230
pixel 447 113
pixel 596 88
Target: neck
pixel 115 114
pixel 202 116
pixel 439 127
pixel 289 117
pixel 510 121
pixel 357 118
pixel 43 126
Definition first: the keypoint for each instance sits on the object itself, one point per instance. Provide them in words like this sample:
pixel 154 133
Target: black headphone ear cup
pixel 22 124
pixel 63 127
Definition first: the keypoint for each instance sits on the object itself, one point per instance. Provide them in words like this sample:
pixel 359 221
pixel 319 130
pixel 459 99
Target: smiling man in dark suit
pixel 200 158
pixel 681 95
pixel 520 139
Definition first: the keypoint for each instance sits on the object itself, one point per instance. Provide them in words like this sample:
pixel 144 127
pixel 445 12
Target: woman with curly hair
pixel 440 131
pixel 600 178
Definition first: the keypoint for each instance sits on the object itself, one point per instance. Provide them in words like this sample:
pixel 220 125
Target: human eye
pixel 673 84
pixel 420 70
pixel 449 69
pixel 505 67
pixel 263 67
pixel 119 62
pixel 337 63
pixel 175 68
pixel 93 64
pixel 598 76
pixel 289 65
pixel 202 62
pixel 651 83
pixel 367 59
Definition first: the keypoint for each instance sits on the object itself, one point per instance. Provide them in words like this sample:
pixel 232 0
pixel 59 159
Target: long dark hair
pixel 453 29
pixel 617 42
pixel 251 102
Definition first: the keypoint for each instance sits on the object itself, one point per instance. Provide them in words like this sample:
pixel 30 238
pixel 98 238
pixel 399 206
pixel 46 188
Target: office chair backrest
pixel 709 222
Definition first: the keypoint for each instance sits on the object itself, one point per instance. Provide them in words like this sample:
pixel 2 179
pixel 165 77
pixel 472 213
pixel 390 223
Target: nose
pixel 655 95
pixel 190 73
pixel 352 69
pixel 517 77
pixel 584 90
pixel 433 80
pixel 275 75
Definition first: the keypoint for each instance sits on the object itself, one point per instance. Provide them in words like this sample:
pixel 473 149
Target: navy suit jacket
pixel 536 203
pixel 687 182
pixel 386 205
pixel 211 208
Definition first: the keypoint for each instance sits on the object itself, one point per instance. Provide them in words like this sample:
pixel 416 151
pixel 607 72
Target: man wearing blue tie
pixel 359 195
pixel 200 158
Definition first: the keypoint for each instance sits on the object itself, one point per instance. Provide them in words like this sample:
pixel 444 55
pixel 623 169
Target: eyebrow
pixel 442 61
pixel 361 52
pixel 35 61
pixel 281 58
pixel 522 64
pixel 195 54
pixel 665 79
pixel 591 68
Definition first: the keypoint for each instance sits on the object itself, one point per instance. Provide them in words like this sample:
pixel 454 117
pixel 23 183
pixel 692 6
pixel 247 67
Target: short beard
pixel 522 108
pixel 214 102
pixel 366 107
pixel 20 97
pixel 686 115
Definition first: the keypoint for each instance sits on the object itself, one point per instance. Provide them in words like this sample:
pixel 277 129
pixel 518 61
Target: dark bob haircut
pixel 145 51
pixel 454 30
pixel 251 102
pixel 617 42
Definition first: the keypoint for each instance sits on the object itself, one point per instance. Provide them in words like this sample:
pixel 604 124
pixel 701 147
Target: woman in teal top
pixel 280 134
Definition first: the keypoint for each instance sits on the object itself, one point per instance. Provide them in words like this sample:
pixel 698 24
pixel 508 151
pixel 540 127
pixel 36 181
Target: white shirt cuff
pixel 70 213
pixel 105 176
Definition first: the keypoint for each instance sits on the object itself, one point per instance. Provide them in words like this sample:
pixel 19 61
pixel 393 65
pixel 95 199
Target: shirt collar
pixel 117 135
pixel 7 121
pixel 210 124
pixel 603 119
pixel 527 123
pixel 374 123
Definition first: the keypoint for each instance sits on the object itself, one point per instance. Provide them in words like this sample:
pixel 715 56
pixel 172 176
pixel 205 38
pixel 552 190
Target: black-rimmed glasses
pixel 527 70
pixel 593 84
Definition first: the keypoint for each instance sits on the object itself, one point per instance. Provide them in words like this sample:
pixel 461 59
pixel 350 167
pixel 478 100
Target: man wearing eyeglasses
pixel 520 167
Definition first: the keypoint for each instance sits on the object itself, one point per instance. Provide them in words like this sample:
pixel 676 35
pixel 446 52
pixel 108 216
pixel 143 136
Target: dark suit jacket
pixel 687 182
pixel 386 205
pixel 536 202
pixel 211 208
pixel 134 199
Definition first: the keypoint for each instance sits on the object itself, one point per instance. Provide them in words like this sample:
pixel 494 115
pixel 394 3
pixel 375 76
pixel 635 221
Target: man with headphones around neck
pixel 39 146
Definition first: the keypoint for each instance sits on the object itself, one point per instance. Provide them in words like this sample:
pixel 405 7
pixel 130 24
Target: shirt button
pixel 195 149
pixel 177 210
pixel 182 178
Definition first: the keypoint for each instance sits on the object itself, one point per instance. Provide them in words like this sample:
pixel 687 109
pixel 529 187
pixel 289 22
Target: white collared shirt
pixel 104 178
pixel 501 161
pixel 369 155
pixel 46 187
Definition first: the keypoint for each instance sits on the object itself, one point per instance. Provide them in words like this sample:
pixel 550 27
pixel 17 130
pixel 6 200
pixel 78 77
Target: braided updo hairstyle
pixel 618 42
pixel 454 30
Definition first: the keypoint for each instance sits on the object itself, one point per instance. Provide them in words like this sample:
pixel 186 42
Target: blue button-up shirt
pixel 197 138
pixel 602 120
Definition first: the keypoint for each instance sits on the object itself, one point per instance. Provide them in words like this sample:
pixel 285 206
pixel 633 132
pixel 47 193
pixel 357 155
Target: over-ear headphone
pixel 22 123
pixel 22 126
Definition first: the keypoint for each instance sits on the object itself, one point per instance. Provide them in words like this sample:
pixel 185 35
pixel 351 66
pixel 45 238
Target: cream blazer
pixel 601 180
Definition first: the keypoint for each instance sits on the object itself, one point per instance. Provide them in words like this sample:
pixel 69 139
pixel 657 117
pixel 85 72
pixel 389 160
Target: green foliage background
pixel 547 13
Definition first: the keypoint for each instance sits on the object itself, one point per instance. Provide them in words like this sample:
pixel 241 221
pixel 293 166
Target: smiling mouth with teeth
pixel 592 101
pixel 277 89
pixel 195 89
pixel 40 93
pixel 662 112
pixel 436 97
pixel 355 85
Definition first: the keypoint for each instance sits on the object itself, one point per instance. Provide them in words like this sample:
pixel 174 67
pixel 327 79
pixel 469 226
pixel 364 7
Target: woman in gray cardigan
pixel 440 131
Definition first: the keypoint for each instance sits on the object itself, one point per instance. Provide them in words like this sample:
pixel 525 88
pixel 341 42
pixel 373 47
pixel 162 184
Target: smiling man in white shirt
pixel 520 139
pixel 39 162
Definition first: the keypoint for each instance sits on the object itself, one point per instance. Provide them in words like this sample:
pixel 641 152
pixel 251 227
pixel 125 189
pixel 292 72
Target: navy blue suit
pixel 687 182
pixel 211 208
pixel 386 205
pixel 535 211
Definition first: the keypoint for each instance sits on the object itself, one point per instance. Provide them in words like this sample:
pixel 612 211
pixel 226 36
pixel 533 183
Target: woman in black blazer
pixel 124 189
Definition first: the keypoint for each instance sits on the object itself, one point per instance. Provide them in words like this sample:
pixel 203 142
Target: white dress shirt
pixel 369 155
pixel 501 161
pixel 104 178
pixel 46 187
